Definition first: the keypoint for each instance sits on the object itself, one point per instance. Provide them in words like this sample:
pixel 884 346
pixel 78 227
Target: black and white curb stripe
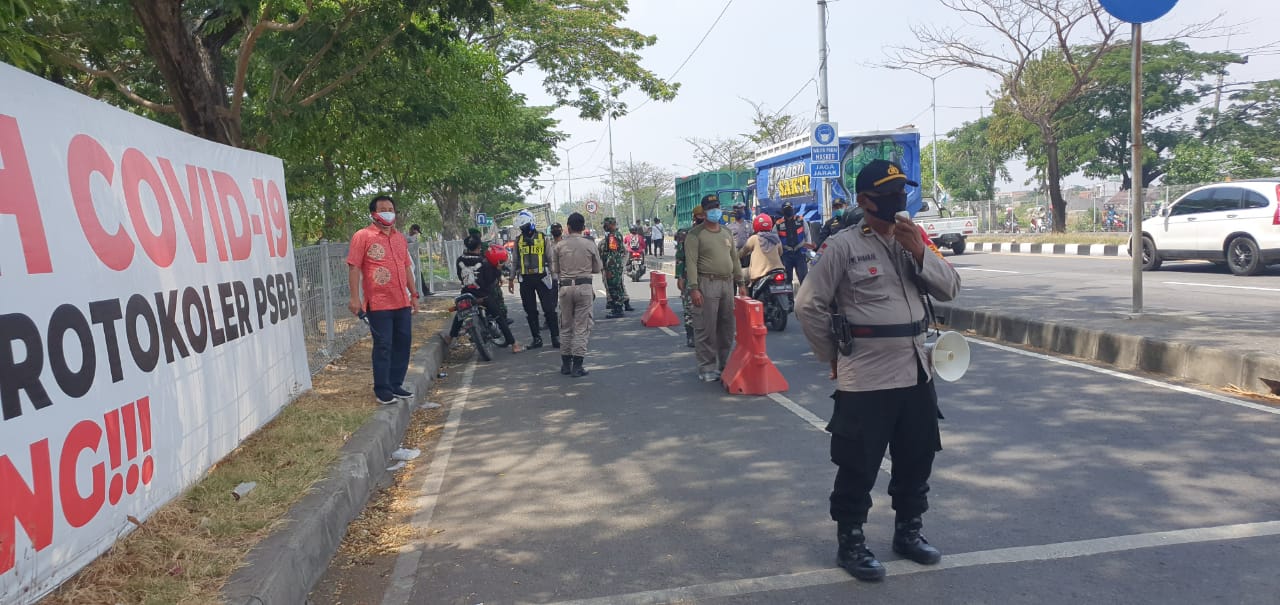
pixel 1069 249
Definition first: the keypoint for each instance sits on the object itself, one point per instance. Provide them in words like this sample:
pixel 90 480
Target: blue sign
pixel 824 134
pixel 824 170
pixel 826 154
pixel 1138 11
pixel 482 219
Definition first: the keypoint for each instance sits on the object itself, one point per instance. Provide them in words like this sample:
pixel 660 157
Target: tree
pixel 1048 52
pixel 1251 121
pixel 773 128
pixel 1195 162
pixel 196 61
pixel 17 46
pixel 646 183
pixel 1173 79
pixel 968 162
pixel 574 43
pixel 724 153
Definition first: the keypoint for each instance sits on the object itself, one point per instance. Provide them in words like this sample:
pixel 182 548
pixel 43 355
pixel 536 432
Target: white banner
pixel 148 320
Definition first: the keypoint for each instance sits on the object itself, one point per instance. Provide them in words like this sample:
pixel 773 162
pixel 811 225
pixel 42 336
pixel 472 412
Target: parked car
pixel 1235 223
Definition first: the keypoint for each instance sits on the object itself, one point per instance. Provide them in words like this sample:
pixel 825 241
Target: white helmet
pixel 525 218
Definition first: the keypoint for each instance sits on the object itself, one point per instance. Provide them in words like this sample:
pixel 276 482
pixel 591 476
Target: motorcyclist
pixel 634 241
pixel 479 275
pixel 763 248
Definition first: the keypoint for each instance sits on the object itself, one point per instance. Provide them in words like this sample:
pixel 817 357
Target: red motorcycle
pixel 635 265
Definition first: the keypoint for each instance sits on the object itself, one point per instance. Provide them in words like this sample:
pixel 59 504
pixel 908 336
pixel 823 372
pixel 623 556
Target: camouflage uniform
pixel 613 265
pixel 685 301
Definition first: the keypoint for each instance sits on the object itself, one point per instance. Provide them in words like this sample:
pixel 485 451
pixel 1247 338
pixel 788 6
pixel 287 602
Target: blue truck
pixel 782 171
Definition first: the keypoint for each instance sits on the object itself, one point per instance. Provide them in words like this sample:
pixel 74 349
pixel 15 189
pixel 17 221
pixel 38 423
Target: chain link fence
pixel 323 291
pixel 1087 211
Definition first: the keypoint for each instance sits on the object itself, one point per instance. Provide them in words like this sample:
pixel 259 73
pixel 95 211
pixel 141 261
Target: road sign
pixel 1138 11
pixel 592 206
pixel 483 220
pixel 823 135
pixel 824 170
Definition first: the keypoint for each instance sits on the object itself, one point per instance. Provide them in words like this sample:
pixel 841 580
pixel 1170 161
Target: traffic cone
pixel 659 314
pixel 749 371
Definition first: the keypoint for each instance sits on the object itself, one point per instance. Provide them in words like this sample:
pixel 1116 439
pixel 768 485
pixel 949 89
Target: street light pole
pixel 613 194
pixel 933 86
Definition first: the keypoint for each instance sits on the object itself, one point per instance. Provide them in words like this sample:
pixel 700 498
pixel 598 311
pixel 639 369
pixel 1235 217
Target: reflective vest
pixel 532 254
pixel 793 237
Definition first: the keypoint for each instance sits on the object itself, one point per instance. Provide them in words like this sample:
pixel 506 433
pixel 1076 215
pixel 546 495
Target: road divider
pixel 749 370
pixel 1039 248
pixel 659 314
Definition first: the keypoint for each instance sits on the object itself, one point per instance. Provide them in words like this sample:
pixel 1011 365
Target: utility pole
pixel 633 179
pixel 824 113
pixel 613 193
pixel 1135 189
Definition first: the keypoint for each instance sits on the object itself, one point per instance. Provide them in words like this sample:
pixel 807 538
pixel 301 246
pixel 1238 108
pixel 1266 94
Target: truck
pixel 782 171
pixel 945 230
pixel 731 186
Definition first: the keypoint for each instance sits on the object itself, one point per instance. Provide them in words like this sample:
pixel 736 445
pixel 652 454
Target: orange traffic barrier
pixel 749 371
pixel 659 314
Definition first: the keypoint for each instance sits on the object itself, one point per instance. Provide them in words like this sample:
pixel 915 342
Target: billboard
pixel 148 320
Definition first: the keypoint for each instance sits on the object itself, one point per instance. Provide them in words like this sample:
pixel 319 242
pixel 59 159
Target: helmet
pixel 496 255
pixel 524 221
pixel 762 222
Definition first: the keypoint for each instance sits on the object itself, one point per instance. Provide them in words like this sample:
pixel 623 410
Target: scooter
pixel 635 266
pixel 775 293
pixel 477 325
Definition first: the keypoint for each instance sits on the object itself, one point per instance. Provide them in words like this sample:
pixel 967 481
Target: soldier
pixel 686 303
pixel 712 271
pixel 613 253
pixel 534 267
pixel 868 282
pixel 576 258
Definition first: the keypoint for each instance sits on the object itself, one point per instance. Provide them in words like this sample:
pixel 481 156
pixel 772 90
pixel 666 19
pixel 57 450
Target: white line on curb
pixel 899 567
pixel 1140 379
pixel 1183 283
pixel 984 270
pixel 400 587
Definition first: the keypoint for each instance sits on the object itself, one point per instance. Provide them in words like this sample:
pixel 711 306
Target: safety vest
pixel 532 254
pixel 791 237
pixel 612 242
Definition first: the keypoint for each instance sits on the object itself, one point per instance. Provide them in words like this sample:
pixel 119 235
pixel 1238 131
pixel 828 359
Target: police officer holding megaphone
pixel 863 310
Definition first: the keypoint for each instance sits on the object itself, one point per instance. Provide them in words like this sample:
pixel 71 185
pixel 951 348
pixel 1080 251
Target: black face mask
pixel 788 212
pixel 889 205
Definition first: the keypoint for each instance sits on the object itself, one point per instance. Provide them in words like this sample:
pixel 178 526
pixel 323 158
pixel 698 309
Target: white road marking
pixel 985 270
pixel 400 587
pixel 1183 283
pixel 1139 379
pixel 602 292
pixel 813 420
pixel 669 331
pixel 900 567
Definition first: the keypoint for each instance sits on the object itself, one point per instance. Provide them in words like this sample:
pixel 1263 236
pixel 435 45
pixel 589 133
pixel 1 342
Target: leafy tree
pixel 647 183
pixel 1173 79
pixel 1251 121
pixel 17 46
pixel 723 153
pixel 773 128
pixel 1196 162
pixel 968 162
pixel 574 43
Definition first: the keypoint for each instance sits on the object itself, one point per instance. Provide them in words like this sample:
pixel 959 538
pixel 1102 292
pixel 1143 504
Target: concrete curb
pixel 1067 249
pixel 1194 363
pixel 284 566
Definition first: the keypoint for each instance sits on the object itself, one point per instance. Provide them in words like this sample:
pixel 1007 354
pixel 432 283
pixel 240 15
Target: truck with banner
pixel 782 171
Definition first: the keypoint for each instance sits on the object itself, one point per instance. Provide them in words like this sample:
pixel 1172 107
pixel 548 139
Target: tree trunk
pixel 190 71
pixel 1053 174
pixel 329 205
pixel 450 204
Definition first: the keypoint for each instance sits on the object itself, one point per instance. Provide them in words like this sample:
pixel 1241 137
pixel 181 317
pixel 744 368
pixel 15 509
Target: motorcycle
pixel 775 293
pixel 477 325
pixel 635 265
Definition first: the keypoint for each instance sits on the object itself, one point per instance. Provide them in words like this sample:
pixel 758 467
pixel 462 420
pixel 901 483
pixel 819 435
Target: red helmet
pixel 762 222
pixel 496 255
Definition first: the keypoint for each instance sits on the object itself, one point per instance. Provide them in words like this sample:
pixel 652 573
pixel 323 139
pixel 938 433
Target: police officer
pixel 841 217
pixel 741 227
pixel 867 283
pixel 534 267
pixel 576 258
pixel 795 238
pixel 612 252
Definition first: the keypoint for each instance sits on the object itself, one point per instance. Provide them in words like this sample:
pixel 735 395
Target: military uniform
pixel 613 252
pixel 885 394
pixel 534 267
pixel 685 301
pixel 576 258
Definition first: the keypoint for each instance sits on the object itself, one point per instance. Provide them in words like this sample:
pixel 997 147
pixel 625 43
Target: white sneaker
pixel 388 401
pixel 708 377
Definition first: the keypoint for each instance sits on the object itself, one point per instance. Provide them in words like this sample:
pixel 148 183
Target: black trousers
pixel 862 425
pixel 796 265
pixel 532 292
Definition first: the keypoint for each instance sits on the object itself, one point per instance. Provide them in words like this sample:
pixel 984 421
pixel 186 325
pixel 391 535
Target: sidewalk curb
pixel 1037 248
pixel 284 566
pixel 1194 363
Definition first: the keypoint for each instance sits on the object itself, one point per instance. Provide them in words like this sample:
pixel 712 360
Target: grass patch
pixel 1052 238
pixel 187 550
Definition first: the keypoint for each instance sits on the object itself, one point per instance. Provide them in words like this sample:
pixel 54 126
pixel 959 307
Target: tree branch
pixel 115 79
pixel 351 73
pixel 324 50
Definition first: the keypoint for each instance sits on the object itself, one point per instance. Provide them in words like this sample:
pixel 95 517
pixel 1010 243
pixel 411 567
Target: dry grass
pixel 1052 238
pixel 187 550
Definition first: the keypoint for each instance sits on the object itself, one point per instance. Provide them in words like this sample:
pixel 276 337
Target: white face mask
pixel 387 217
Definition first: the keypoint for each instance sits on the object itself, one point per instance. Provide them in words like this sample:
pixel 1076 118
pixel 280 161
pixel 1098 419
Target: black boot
pixel 908 542
pixel 565 362
pixel 555 333
pixel 578 371
pixel 537 342
pixel 626 306
pixel 688 337
pixel 536 331
pixel 614 312
pixel 854 556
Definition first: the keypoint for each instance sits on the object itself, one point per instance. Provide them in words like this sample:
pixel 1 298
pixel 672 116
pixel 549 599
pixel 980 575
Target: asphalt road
pixel 638 484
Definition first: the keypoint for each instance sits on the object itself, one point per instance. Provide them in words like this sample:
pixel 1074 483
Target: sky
pixel 767 51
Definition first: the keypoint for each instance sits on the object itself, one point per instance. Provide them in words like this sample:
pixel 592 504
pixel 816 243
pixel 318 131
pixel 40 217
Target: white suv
pixel 1235 223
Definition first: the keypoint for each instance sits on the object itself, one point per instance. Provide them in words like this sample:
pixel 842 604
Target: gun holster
pixel 843 333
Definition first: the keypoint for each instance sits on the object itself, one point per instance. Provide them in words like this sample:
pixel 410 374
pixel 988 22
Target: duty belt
pixel 889 330
pixel 714 276
pixel 575 281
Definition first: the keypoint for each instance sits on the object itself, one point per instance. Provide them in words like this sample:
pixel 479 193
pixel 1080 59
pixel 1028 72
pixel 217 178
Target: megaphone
pixel 949 356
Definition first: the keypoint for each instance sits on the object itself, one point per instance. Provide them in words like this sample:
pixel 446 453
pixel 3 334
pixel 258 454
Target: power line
pixel 692 52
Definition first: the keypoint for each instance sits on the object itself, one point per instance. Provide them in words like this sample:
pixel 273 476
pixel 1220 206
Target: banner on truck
pixel 149 320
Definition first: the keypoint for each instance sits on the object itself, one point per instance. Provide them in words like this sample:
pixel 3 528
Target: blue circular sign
pixel 824 134
pixel 1137 11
